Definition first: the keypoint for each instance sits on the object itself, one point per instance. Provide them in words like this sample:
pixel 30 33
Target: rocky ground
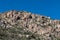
pixel 22 25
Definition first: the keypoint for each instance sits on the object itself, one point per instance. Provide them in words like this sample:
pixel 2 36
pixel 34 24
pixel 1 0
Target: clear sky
pixel 45 7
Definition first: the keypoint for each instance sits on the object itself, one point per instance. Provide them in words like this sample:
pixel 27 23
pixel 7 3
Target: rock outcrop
pixel 21 25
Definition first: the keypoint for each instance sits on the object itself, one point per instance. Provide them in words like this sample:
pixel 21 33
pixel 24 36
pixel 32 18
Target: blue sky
pixel 44 7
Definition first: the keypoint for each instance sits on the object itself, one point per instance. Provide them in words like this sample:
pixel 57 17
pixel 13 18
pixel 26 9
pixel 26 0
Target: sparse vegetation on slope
pixel 20 25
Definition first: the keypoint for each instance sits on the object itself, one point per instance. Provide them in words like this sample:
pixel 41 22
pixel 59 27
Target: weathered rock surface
pixel 21 25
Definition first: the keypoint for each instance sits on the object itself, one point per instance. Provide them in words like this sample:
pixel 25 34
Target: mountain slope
pixel 21 25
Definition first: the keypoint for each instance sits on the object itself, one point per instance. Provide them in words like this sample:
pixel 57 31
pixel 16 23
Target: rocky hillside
pixel 21 25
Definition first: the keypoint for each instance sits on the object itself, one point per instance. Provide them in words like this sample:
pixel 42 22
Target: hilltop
pixel 22 25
